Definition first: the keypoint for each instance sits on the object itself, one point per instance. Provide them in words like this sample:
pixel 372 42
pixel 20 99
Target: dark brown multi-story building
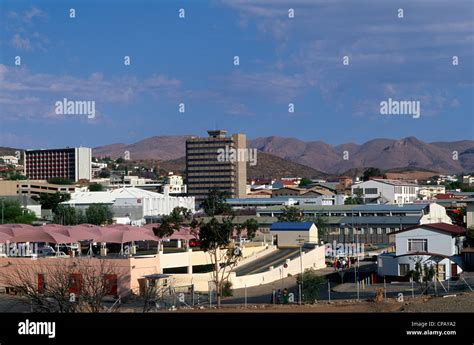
pixel 70 163
pixel 216 162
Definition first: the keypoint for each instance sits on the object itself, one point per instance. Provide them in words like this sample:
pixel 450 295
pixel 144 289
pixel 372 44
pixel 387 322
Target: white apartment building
pixel 382 191
pixel 427 192
pixel 174 185
pixel 468 179
pixel 10 160
pixel 437 244
pixel 134 203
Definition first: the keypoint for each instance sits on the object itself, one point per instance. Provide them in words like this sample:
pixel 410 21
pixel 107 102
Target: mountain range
pixel 407 153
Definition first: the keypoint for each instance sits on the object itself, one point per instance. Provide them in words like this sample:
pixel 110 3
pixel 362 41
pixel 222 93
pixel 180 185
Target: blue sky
pixel 282 60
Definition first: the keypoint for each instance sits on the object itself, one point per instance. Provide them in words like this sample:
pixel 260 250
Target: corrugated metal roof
pixel 358 208
pixel 381 220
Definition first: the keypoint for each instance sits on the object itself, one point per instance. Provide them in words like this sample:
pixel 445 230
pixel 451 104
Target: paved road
pixel 263 293
pixel 263 264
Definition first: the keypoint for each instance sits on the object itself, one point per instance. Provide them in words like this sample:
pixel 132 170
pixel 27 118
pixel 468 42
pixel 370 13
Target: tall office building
pixel 71 163
pixel 210 164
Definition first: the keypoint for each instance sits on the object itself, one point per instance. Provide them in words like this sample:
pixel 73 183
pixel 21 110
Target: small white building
pixel 13 160
pixel 382 191
pixel 437 244
pixel 427 192
pixel 131 202
pixel 174 185
pixel 294 234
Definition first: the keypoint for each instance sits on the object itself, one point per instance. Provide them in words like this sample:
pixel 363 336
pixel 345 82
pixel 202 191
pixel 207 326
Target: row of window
pixel 363 231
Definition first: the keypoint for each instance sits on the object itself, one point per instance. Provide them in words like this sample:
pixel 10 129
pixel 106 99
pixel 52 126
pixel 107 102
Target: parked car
pixel 194 243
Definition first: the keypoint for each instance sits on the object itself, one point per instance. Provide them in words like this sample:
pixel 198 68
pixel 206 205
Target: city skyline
pixel 190 60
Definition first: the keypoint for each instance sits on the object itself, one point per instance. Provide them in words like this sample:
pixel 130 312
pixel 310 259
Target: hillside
pixel 268 166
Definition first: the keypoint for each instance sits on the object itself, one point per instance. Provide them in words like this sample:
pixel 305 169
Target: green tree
pixel 305 182
pixel 17 177
pixel 355 199
pixel 60 180
pixel 371 172
pixel 215 204
pixel 96 187
pixel 290 214
pixel 172 222
pixel 67 215
pixel 470 235
pixel 216 240
pixel 13 212
pixel 51 201
pixel 321 223
pixel 104 173
pixel 99 214
pixel 312 283
pixel 422 274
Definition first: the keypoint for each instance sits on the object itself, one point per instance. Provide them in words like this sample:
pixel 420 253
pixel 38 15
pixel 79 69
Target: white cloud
pixel 26 94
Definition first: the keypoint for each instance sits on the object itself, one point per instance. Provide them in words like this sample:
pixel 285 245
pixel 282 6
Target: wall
pixel 10 266
pixel 470 214
pixel 312 259
pixel 437 214
pixel 389 266
pixel 290 238
pixel 438 242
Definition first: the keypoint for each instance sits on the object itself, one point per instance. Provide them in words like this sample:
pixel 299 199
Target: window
pixel 403 269
pixel 371 191
pixel 441 271
pixel 417 245
pixel 110 282
pixel 41 282
pixel 75 283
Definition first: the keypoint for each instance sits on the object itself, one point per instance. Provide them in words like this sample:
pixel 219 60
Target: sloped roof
pixel 111 195
pixel 291 226
pixel 454 230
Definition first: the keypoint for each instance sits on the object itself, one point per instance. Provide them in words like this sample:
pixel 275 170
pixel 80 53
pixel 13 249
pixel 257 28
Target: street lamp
pixel 356 267
pixel 301 240
pixel 3 210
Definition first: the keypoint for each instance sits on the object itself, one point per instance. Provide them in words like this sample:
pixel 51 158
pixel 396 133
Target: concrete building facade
pixel 436 244
pixel 70 163
pixel 382 191
pixel 205 170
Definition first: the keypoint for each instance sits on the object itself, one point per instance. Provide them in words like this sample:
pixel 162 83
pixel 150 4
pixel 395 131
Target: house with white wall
pixel 435 244
pixel 294 234
pixel 428 192
pixel 382 191
pixel 131 204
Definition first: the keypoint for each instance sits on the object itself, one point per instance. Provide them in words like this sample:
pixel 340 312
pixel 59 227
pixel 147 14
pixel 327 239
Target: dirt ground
pixel 460 303
pixel 463 302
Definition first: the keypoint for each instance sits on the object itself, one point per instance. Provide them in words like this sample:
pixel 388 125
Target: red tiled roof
pixel 444 196
pixel 444 227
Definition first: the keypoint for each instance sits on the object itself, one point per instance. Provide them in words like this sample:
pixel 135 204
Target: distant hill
pixel 407 154
pixel 380 153
pixel 8 151
pixel 268 166
pixel 162 148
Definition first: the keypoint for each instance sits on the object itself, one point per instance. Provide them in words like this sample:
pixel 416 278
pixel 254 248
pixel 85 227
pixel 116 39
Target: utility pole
pixel 301 270
pixel 3 210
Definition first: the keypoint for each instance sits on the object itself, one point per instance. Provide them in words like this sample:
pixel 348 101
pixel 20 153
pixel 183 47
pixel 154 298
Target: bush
pixel 312 283
pixel 59 180
pixel 227 289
